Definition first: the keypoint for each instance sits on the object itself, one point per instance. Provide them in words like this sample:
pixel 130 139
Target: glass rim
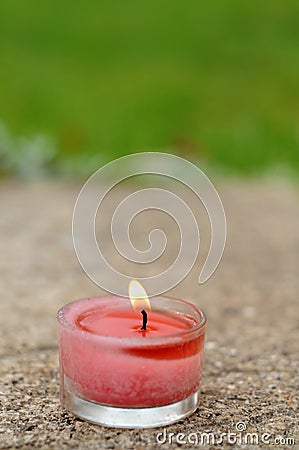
pixel 154 340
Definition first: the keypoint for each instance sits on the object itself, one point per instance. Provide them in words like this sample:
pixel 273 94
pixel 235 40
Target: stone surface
pixel 251 358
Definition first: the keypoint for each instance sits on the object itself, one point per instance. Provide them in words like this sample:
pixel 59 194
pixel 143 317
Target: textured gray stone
pixel 251 357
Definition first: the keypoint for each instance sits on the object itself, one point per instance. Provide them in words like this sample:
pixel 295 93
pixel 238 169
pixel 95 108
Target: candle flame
pixel 138 296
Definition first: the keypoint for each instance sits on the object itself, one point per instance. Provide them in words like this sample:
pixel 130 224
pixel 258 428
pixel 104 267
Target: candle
pixel 130 366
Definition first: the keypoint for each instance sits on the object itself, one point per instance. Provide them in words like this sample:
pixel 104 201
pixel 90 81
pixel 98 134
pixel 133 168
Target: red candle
pixel 108 360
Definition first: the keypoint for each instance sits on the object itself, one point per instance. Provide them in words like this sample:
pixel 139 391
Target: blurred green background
pixel 82 82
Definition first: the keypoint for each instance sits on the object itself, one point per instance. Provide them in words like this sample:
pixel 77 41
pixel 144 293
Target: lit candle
pixel 131 367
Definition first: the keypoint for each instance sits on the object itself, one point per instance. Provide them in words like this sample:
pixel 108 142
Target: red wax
pixel 126 323
pixel 106 358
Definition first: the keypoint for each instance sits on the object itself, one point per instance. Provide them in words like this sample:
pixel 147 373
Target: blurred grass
pixel 213 81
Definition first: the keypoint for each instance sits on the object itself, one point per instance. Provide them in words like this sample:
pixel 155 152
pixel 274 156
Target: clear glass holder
pixel 143 381
pixel 112 416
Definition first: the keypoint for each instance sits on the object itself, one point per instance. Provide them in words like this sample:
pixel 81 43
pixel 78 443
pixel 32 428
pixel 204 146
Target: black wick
pixel 144 320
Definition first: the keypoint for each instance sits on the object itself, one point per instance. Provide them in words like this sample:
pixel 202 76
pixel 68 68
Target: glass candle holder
pixel 115 374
